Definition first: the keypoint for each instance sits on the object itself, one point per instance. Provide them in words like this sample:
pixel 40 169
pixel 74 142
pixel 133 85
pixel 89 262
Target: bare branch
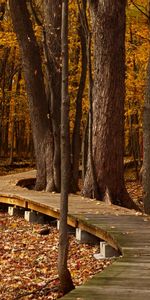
pixel 37 19
pixel 139 9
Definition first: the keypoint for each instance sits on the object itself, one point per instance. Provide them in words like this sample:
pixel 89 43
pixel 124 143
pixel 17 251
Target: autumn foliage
pixel 15 131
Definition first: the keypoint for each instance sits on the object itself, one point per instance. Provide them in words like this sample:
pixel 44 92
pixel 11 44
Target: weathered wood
pixel 123 229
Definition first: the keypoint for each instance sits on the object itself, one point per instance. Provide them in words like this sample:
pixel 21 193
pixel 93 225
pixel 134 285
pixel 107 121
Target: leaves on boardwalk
pixel 28 260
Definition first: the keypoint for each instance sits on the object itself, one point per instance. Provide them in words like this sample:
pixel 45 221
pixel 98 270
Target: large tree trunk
pixel 52 24
pixel 66 283
pixel 108 103
pixel 41 126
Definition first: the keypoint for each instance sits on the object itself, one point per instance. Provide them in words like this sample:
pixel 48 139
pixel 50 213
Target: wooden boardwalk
pixel 129 276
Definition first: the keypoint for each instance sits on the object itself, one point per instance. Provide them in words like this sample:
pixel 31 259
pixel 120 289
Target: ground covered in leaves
pixel 28 260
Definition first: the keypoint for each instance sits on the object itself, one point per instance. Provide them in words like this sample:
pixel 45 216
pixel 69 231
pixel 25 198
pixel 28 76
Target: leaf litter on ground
pixel 28 260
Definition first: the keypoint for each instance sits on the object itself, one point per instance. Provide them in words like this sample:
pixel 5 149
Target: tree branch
pixel 37 19
pixel 139 9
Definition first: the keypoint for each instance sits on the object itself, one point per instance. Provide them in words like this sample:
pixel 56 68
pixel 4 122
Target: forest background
pixel 16 138
pixel 15 131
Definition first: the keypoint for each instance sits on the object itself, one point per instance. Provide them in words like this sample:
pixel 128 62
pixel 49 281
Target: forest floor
pixel 28 258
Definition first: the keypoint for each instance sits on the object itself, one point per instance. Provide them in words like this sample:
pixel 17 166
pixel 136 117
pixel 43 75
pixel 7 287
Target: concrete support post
pixel 15 211
pixel 85 237
pixel 107 251
pixel 34 217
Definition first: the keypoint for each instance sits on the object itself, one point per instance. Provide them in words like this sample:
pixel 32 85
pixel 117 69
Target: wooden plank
pixel 107 293
pixel 43 209
pixel 128 277
pixel 14 201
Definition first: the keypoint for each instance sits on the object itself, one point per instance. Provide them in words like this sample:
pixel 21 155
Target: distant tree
pixel 66 283
pixel 108 18
pixel 2 10
pixel 39 113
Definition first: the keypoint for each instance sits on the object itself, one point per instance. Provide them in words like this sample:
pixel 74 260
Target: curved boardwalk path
pixel 129 276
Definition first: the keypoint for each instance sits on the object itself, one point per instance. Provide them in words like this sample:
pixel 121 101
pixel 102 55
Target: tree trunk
pixel 52 24
pixel 146 145
pixel 7 90
pixel 108 103
pixel 2 10
pixel 66 284
pixel 76 137
pixel 41 125
pixel 13 118
pixel 145 170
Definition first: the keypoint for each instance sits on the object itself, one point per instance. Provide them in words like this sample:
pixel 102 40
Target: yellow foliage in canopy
pixel 137 51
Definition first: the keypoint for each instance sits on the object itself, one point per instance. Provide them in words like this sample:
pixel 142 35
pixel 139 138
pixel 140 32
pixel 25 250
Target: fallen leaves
pixel 28 260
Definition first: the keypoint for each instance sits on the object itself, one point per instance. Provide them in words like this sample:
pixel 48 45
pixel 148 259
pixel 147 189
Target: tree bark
pixel 146 144
pixel 3 80
pixel 108 103
pixel 66 284
pixel 52 25
pixel 40 122
pixel 13 118
pixel 145 170
pixel 76 137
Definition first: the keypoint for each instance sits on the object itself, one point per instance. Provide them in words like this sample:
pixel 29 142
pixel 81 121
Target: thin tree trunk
pixel 85 149
pixel 145 169
pixel 2 10
pixel 146 139
pixel 3 101
pixel 14 119
pixel 66 284
pixel 76 137
pixel 7 102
